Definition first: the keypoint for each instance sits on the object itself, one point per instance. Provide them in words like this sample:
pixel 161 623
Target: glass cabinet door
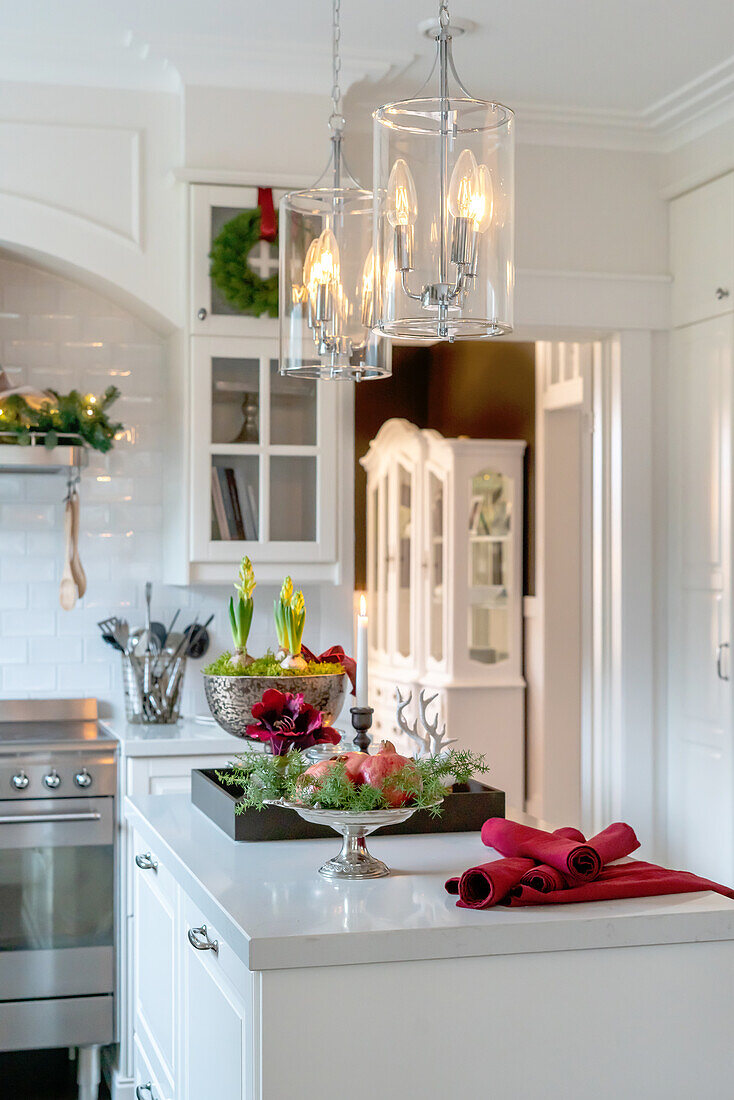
pixel 436 566
pixel 258 477
pixel 490 566
pixel 214 312
pixel 404 563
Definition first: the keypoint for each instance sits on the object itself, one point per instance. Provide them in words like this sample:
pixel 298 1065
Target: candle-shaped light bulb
pixel 368 286
pixel 361 689
pixel 482 204
pixel 463 185
pixel 402 202
pixel 328 257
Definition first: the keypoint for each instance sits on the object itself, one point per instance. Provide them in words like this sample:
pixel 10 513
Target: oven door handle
pixel 38 819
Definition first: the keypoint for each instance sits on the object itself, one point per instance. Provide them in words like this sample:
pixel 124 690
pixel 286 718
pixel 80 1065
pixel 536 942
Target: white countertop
pixel 267 900
pixel 187 738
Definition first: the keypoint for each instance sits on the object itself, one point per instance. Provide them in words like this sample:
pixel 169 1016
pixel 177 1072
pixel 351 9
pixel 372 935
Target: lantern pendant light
pixel 444 192
pixel 327 301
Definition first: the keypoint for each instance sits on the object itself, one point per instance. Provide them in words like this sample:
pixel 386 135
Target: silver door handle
pixel 146 862
pixel 719 650
pixel 206 944
pixel 38 819
pixel 144 1088
pixel 721 292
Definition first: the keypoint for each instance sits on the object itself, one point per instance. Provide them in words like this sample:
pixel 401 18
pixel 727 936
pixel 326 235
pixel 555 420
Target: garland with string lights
pixel 230 269
pixel 62 418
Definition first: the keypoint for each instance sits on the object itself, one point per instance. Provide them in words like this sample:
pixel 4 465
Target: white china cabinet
pixel 261 461
pixel 444 567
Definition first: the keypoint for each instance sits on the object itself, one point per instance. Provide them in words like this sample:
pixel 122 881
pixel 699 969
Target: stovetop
pixel 54 749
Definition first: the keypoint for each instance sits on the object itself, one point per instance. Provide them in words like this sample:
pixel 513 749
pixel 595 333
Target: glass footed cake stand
pixel 353 861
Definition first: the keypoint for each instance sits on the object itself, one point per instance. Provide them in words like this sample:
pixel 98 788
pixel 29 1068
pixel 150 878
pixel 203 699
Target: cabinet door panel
pixel 216 1015
pixel 700 750
pixel 702 251
pixel 154 940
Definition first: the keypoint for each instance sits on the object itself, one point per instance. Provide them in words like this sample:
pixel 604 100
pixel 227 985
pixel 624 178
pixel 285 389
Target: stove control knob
pixel 52 780
pixel 20 781
pixel 83 778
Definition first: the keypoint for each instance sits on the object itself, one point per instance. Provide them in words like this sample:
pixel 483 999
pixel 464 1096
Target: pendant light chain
pixel 443 15
pixel 336 119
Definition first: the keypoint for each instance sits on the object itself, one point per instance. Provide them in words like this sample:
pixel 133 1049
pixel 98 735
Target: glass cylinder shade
pixel 327 300
pixel 443 239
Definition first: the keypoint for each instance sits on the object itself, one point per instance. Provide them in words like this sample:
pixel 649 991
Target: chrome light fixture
pixel 444 192
pixel 327 304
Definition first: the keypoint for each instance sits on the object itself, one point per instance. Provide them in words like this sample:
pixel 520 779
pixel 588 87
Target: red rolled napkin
pixel 486 885
pixel 634 879
pixel 545 878
pixel 577 862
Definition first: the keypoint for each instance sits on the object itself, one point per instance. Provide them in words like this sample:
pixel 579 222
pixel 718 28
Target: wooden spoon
pixel 77 569
pixel 67 591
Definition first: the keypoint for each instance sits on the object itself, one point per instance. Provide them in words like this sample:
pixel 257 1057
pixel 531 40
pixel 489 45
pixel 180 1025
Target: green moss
pixel 268 666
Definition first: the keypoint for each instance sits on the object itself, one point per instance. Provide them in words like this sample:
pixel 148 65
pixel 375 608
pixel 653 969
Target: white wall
pixel 56 333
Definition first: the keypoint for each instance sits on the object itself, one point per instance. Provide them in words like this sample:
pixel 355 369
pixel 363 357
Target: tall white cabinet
pixel 444 566
pixel 700 458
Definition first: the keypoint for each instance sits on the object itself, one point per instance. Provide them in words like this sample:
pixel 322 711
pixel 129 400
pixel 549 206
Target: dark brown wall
pixel 483 390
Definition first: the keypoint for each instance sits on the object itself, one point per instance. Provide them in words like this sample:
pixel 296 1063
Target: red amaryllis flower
pixel 287 721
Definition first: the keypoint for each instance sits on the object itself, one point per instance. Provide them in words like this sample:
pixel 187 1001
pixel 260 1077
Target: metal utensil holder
pixel 153 688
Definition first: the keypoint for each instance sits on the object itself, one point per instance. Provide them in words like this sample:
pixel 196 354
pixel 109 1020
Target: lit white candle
pixel 362 695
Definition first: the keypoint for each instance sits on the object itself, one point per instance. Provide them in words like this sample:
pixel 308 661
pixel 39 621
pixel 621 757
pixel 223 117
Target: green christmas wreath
pixel 231 272
pixel 60 418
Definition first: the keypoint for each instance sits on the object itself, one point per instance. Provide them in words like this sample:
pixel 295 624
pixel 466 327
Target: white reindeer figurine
pixel 432 741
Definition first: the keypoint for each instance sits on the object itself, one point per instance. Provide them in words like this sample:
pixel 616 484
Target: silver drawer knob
pixel 721 292
pixel 52 780
pixel 146 862
pixel 201 314
pixel 199 938
pixel 20 781
pixel 83 778
pixel 144 1088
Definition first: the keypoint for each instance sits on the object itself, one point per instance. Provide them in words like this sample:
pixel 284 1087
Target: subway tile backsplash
pixel 56 333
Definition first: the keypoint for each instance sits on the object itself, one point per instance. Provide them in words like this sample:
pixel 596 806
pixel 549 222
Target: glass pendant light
pixel 327 300
pixel 444 191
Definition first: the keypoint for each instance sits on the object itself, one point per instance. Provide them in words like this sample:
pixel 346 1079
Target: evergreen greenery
pixel 232 274
pixel 264 778
pixel 63 418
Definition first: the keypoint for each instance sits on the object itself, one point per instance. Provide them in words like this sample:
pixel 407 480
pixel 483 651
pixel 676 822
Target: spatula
pixel 68 590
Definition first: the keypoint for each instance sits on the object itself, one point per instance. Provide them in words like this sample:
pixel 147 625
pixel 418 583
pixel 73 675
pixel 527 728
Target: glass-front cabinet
pixel 263 457
pixel 444 569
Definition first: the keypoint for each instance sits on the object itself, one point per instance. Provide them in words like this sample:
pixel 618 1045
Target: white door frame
pixel 618 735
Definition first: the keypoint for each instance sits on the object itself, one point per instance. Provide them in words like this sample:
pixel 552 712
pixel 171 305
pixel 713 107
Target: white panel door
pixel 700 713
pixel 702 251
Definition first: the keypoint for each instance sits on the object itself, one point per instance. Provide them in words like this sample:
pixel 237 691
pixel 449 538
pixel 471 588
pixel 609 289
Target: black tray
pixel 464 811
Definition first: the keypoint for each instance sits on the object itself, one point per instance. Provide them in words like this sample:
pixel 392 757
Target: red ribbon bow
pixel 268 221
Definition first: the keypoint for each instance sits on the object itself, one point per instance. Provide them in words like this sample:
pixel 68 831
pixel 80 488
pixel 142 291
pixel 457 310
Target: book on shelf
pixel 248 505
pixel 230 521
pixel 220 515
pixel 234 497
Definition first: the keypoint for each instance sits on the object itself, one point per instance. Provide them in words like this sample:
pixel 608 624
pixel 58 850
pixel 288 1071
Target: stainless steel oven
pixel 57 880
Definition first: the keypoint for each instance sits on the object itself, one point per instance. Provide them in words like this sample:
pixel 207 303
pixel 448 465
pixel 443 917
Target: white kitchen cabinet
pixel 702 251
pixel 256 463
pixel 210 208
pixel 444 568
pixel 701 742
pixel 216 1013
pixel 154 903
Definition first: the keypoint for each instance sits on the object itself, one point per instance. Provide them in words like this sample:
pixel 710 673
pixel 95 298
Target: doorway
pixel 541 393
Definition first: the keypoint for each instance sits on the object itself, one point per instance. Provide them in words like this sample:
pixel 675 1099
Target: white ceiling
pixel 634 64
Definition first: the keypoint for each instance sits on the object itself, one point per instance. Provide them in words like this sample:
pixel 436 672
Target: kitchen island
pixel 321 989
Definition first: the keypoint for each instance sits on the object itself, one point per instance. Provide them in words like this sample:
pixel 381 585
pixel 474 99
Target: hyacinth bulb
pixel 402 201
pixel 482 204
pixel 463 186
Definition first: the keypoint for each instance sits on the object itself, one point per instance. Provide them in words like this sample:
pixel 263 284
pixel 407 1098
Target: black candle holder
pixel 362 720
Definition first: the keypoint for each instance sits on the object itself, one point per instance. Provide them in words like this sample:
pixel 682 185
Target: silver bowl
pixel 353 861
pixel 231 698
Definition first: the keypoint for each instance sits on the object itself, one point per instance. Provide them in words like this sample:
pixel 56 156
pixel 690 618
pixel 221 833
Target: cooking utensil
pixel 170 628
pixel 68 589
pixel 77 569
pixel 159 631
pixel 117 628
pixel 147 640
pixel 198 639
pixel 113 642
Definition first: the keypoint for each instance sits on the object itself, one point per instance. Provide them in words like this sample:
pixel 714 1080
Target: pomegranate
pixel 377 769
pixel 352 762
